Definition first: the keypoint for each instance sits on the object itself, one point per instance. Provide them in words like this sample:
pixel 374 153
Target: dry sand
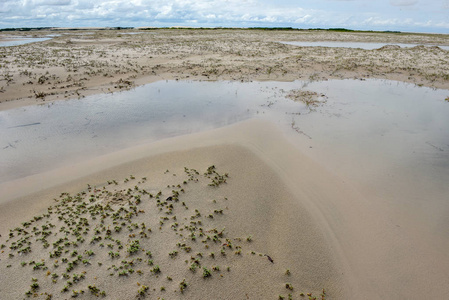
pixel 79 63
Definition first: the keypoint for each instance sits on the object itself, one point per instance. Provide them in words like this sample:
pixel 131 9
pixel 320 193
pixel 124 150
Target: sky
pixel 395 15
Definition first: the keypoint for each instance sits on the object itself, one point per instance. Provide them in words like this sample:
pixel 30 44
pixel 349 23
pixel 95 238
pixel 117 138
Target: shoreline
pixel 24 102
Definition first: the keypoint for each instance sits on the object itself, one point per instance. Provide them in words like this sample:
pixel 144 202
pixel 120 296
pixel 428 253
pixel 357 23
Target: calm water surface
pixel 36 138
pixel 391 138
pixel 21 41
pixel 386 136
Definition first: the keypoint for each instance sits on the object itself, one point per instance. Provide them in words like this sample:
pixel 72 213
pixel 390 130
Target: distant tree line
pixel 26 29
pixel 57 28
pixel 198 28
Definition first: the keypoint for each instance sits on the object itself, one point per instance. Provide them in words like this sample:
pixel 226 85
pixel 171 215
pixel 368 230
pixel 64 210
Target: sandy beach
pixel 238 212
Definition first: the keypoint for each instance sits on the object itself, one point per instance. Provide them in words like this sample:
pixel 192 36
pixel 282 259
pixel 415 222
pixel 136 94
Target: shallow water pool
pixel 21 41
pixel 366 116
pixel 37 138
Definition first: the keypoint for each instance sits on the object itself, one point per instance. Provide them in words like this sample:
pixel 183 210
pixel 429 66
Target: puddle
pixel 365 46
pixel 21 41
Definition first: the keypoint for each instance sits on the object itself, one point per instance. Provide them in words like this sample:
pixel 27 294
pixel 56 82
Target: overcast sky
pixel 402 15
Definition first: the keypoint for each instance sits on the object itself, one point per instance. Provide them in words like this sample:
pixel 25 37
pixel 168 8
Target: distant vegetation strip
pixel 195 28
pixel 59 28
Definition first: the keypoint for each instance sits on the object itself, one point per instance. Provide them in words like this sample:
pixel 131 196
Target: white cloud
pixel 403 2
pixel 356 14
pixel 48 2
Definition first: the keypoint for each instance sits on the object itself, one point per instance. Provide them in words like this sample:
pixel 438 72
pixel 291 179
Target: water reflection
pixel 398 124
pixel 43 137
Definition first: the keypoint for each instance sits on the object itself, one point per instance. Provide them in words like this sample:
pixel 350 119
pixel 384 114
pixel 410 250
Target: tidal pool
pixel 388 138
pixel 360 45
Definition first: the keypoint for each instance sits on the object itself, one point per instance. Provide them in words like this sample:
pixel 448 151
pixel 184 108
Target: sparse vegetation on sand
pixel 309 98
pixel 78 63
pixel 106 240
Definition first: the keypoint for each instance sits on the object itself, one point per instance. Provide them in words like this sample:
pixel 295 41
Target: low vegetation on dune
pixel 133 239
